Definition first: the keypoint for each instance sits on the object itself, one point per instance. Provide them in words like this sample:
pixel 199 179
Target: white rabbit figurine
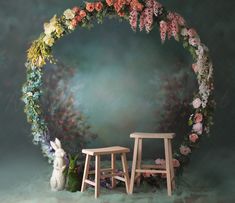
pixel 57 180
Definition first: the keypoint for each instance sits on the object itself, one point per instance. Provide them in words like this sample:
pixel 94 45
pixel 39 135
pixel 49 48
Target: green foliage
pixel 74 178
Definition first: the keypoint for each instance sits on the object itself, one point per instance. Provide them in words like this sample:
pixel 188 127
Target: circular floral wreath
pixel 145 15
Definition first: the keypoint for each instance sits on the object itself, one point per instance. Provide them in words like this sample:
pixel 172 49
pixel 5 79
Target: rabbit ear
pixel 58 143
pixel 53 145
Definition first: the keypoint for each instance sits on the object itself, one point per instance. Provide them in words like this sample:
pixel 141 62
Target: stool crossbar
pixel 137 168
pixel 106 172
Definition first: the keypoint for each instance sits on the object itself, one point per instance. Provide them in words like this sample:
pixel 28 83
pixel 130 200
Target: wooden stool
pixel 137 156
pixel 112 171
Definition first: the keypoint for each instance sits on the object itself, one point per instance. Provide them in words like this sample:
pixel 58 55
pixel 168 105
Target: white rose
pixel 29 94
pixel 49 28
pixel 197 103
pixel 197 128
pixel 69 14
pixel 49 40
pixel 194 41
pixel 184 32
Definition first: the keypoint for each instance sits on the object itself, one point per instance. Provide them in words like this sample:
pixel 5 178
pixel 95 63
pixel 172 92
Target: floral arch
pixel 140 14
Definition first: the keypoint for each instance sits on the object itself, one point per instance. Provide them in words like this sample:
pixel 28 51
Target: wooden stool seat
pixel 152 135
pixel 107 172
pixel 106 150
pixel 137 168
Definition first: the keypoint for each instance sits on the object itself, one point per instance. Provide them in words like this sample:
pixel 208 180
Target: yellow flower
pixel 69 14
pixel 54 20
pixel 59 30
pixel 51 26
pixel 49 40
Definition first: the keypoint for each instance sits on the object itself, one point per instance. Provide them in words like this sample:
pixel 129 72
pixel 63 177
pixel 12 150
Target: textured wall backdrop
pixel 118 70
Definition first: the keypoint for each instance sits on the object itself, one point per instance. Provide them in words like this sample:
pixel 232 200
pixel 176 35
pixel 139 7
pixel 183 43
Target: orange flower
pixel 136 5
pixel 90 6
pixel 121 13
pixel 82 13
pixel 117 6
pixel 139 6
pixel 121 3
pixel 98 6
pixel 109 2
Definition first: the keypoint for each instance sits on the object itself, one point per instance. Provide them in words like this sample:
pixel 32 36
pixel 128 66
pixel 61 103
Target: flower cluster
pixel 142 14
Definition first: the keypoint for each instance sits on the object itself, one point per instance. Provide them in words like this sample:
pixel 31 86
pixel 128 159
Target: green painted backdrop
pixel 119 78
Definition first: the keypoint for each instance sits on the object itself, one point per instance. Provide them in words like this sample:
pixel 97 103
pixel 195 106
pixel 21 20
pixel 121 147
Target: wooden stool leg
pixel 86 172
pixel 125 170
pixel 168 173
pixel 133 166
pixel 139 158
pixel 97 176
pixel 171 165
pixel 113 166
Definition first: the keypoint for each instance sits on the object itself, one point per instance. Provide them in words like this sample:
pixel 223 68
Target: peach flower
pixel 193 137
pixel 176 163
pixel 82 13
pixel 74 22
pixel 195 67
pixel 198 118
pixel 90 6
pixel 109 2
pixel 185 150
pixel 79 18
pixel 98 6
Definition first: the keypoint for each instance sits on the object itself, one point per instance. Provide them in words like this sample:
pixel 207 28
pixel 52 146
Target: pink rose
pixel 176 163
pixel 76 9
pixel 98 6
pixel 198 128
pixel 74 22
pixel 185 150
pixel 194 41
pixel 82 13
pixel 193 137
pixel 192 32
pixel 198 118
pixel 90 6
pixel 197 103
